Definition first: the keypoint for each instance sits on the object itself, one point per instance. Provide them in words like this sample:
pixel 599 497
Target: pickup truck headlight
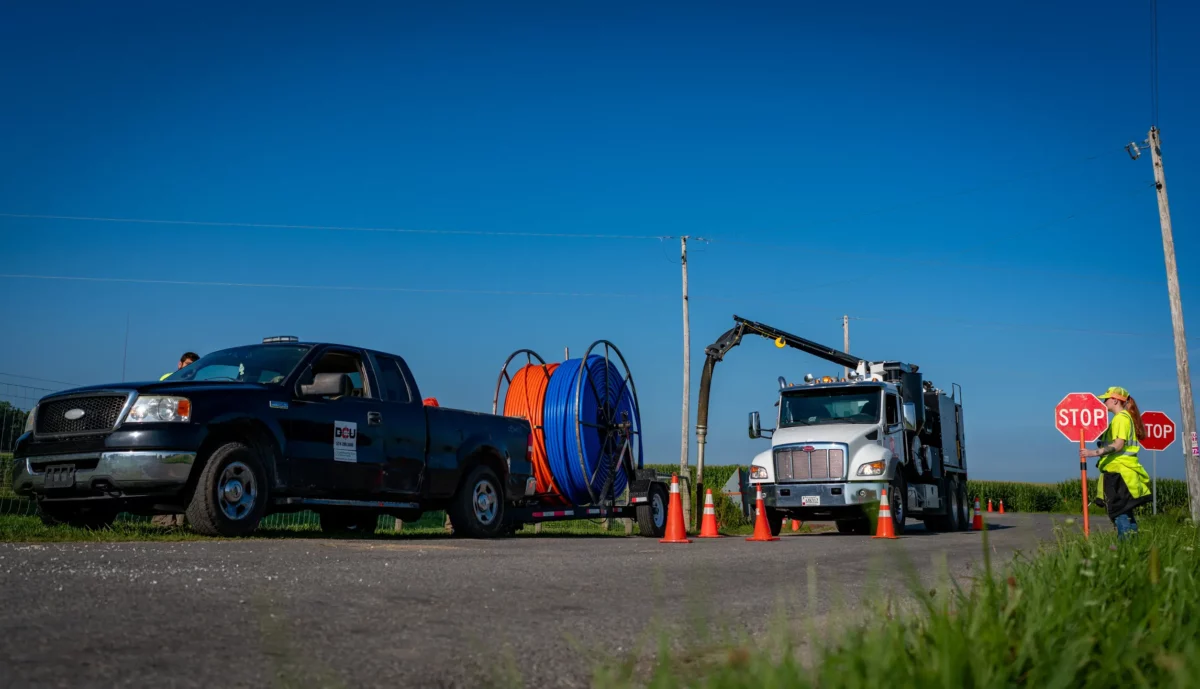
pixel 158 409
pixel 758 472
pixel 872 469
pixel 29 419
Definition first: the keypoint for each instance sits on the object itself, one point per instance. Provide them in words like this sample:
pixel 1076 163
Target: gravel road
pixel 422 612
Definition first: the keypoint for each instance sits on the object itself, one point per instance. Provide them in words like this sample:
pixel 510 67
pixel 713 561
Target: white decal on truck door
pixel 345 441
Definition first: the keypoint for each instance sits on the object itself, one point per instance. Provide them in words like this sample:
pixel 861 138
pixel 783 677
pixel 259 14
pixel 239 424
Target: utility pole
pixel 1191 449
pixel 687 382
pixel 846 343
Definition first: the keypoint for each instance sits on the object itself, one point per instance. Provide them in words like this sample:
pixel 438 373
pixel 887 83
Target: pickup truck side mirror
pixel 910 416
pixel 328 385
pixel 756 429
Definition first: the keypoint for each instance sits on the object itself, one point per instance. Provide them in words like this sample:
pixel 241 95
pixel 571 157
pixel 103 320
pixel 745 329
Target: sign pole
pixel 1154 480
pixel 1083 472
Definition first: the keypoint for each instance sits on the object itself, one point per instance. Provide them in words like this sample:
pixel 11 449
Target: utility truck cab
pixel 839 442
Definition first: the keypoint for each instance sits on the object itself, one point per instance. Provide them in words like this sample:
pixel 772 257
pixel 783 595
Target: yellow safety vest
pixel 165 376
pixel 1125 462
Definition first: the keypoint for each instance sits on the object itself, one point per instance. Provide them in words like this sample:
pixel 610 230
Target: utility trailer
pixel 601 417
pixel 840 442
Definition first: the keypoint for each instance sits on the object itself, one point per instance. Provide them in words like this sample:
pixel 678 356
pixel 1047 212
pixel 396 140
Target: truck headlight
pixel 758 472
pixel 29 419
pixel 872 469
pixel 158 409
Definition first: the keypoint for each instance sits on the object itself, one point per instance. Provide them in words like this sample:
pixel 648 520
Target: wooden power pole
pixel 687 381
pixel 1191 448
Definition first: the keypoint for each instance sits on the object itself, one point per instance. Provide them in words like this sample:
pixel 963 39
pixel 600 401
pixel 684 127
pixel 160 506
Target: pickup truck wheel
pixel 80 517
pixel 349 522
pixel 231 495
pixel 652 516
pixel 477 510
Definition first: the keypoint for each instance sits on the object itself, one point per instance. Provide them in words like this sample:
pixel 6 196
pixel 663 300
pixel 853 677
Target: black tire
pixel 652 516
pixel 898 502
pixel 775 521
pixel 349 522
pixel 477 509
pixel 948 521
pixel 964 520
pixel 78 516
pixel 231 494
pixel 855 527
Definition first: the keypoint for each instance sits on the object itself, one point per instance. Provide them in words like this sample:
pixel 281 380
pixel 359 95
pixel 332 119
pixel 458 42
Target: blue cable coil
pixel 603 386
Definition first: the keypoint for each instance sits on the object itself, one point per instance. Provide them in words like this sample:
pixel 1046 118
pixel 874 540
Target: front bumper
pixel 816 500
pixel 115 474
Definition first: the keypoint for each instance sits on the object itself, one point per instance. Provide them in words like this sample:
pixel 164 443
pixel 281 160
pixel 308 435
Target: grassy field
pixel 1078 614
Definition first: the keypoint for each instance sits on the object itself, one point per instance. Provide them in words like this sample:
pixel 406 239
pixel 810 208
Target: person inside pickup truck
pixel 185 360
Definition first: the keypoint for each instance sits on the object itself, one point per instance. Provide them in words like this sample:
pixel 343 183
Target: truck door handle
pixel 374 418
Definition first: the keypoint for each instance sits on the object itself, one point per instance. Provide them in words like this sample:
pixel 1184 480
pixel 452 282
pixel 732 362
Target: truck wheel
pixel 774 520
pixel 78 516
pixel 477 510
pixel 856 527
pixel 231 495
pixel 898 502
pixel 964 522
pixel 652 516
pixel 954 508
pixel 349 522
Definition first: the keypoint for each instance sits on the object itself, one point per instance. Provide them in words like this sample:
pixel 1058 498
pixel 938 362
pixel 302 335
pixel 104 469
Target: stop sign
pixel 1160 430
pixel 1081 412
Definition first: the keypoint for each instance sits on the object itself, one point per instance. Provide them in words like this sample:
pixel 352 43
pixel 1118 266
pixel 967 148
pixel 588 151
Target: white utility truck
pixel 838 442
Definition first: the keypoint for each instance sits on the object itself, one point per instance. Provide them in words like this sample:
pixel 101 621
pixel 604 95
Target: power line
pixel 40 380
pixel 342 288
pixel 331 228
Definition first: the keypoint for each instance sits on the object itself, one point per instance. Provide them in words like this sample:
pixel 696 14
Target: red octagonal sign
pixel 1160 431
pixel 1081 413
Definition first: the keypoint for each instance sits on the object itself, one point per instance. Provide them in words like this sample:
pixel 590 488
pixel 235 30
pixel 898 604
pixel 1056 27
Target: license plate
pixel 810 501
pixel 61 476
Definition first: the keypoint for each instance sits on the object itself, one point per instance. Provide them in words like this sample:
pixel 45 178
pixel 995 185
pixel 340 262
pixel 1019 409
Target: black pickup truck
pixel 271 427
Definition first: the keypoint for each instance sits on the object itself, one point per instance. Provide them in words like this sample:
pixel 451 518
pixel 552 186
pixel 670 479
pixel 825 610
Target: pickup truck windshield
pixel 267 364
pixel 828 406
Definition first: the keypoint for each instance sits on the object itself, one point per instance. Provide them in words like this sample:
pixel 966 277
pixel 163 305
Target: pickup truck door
pixel 404 428
pixel 335 445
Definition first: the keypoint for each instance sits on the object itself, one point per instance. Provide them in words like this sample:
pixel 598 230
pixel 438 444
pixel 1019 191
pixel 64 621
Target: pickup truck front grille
pixel 60 416
pixel 810 464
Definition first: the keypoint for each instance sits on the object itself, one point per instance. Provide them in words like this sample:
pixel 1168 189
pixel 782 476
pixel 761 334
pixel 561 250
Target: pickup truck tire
pixel 477 510
pixel 78 516
pixel 231 494
pixel 652 516
pixel 349 522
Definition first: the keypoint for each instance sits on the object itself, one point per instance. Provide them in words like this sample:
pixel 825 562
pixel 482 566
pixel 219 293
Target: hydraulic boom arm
pixel 717 351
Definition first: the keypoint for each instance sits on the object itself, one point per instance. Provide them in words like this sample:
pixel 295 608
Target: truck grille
pixel 100 413
pixel 809 464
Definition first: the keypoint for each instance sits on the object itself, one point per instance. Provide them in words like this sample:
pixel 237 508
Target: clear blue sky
pixel 951 173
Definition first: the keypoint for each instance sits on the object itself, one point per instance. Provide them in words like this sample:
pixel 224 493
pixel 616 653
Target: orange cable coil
pixel 526 398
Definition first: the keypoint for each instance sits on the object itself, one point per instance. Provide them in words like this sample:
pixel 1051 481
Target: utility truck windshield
pixel 830 406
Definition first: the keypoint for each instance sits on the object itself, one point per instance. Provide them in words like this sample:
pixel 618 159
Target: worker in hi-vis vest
pixel 187 358
pixel 1124 483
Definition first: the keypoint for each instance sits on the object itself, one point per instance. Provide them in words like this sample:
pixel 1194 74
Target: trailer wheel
pixel 477 510
pixel 652 516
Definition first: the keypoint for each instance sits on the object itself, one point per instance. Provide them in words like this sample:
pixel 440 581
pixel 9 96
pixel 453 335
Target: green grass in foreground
pixel 1077 614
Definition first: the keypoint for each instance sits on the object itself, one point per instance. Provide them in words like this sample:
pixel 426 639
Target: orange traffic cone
pixel 1001 507
pixel 989 505
pixel 886 528
pixel 977 522
pixel 796 525
pixel 762 530
pixel 708 526
pixel 676 532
